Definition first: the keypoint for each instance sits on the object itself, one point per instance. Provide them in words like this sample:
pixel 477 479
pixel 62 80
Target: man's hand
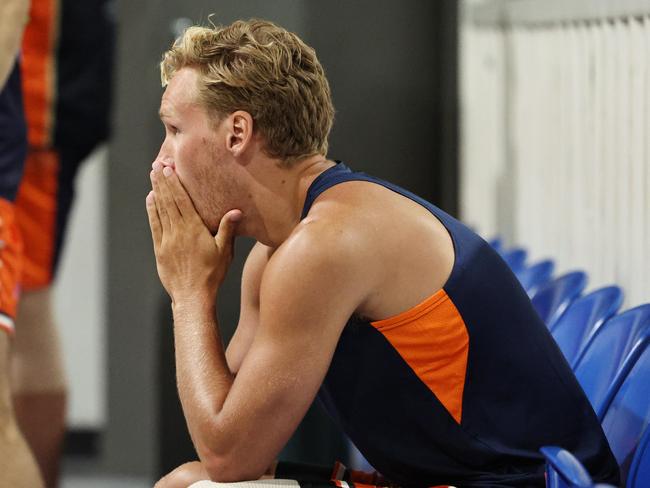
pixel 191 262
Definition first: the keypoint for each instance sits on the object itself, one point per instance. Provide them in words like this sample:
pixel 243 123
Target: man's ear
pixel 240 132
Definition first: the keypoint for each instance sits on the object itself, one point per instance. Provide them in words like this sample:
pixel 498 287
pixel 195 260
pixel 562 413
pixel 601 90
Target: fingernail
pixel 167 171
pixel 236 217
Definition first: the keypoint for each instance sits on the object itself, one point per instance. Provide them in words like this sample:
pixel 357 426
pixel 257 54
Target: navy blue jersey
pixel 464 388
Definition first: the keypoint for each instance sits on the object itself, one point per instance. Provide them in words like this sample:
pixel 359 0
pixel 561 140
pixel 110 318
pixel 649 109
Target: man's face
pixel 194 147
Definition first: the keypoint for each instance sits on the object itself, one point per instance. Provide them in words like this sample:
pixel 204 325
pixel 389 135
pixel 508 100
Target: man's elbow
pixel 227 457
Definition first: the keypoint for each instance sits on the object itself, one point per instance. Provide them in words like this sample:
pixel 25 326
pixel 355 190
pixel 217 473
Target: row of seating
pixel 610 355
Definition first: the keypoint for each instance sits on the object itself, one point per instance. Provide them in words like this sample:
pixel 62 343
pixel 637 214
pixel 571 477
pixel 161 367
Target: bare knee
pixel 37 361
pixel 17 464
pixel 183 476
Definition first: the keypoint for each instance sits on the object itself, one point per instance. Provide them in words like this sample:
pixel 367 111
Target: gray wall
pixel 387 73
pixel 382 59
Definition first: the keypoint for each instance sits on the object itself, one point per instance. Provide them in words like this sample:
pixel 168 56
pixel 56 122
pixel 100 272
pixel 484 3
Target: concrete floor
pixel 98 481
pixel 85 473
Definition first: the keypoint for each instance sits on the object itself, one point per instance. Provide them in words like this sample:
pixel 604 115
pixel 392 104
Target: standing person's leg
pixel 39 387
pixel 67 51
pixel 17 463
pixel 38 378
pixel 58 37
pixel 17 466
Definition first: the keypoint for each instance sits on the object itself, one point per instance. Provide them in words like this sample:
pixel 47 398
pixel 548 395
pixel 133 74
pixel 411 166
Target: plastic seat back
pixel 639 474
pixel 515 258
pixel 563 470
pixel 598 371
pixel 628 414
pixel 534 276
pixel 552 299
pixel 583 318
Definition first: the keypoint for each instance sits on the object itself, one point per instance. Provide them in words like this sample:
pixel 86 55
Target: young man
pixel 409 328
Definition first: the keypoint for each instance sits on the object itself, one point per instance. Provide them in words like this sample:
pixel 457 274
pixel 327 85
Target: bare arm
pixel 249 314
pixel 309 290
pixel 13 17
pixel 240 424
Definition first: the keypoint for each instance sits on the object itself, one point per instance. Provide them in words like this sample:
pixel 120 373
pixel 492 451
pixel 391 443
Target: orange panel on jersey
pixel 36 208
pixel 433 340
pixel 10 264
pixel 38 70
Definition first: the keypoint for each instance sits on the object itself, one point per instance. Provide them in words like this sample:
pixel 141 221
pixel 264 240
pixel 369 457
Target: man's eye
pixel 174 129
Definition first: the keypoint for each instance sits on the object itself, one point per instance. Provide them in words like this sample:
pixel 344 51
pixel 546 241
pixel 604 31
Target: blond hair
pixel 266 71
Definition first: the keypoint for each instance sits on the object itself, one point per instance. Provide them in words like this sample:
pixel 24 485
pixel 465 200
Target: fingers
pixel 154 220
pixel 179 194
pixel 227 227
pixel 170 201
pixel 167 210
pixel 174 198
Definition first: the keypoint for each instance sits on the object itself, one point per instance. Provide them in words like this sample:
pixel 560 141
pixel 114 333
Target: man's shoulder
pixel 319 240
pixel 315 273
pixel 319 250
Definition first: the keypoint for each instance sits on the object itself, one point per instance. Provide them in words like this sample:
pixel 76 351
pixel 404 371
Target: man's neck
pixel 281 197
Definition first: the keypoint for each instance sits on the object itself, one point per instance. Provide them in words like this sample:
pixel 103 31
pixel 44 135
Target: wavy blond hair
pixel 263 69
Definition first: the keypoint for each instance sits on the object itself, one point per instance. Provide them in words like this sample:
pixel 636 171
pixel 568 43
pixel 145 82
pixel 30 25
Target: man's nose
pixel 163 160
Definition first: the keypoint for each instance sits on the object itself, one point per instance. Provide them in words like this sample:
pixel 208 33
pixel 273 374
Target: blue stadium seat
pixel 628 414
pixel 639 474
pixel 563 470
pixel 515 258
pixel 532 277
pixel 552 299
pixel 583 318
pixel 626 425
pixel 612 350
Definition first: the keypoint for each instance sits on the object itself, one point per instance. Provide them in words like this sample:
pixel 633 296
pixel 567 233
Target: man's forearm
pixel 13 17
pixel 203 376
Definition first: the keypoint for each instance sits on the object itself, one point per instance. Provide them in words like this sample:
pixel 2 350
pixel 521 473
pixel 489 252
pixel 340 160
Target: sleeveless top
pixel 464 388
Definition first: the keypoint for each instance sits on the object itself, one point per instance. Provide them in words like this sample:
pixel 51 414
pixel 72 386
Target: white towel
pixel 270 483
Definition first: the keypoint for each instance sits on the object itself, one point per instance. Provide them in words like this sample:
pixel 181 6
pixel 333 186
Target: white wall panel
pixel 80 297
pixel 483 135
pixel 572 133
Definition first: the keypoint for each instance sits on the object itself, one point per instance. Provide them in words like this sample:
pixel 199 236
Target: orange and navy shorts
pixel 32 228
pixel 66 105
pixel 42 208
pixel 36 184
